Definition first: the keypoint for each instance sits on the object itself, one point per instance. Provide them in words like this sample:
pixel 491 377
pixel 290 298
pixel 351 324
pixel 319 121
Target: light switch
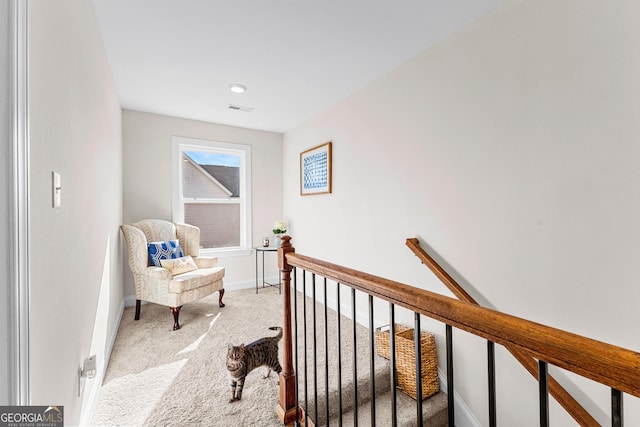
pixel 57 189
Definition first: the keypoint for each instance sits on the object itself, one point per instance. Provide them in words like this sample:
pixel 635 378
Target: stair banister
pixel 613 366
pixel 287 409
pixel 562 396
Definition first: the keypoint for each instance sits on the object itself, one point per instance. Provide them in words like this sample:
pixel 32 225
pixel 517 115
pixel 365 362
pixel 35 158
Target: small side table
pixel 262 250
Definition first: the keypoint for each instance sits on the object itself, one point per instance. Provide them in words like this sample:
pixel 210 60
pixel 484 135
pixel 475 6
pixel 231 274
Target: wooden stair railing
pixel 287 410
pixel 612 366
pixel 561 395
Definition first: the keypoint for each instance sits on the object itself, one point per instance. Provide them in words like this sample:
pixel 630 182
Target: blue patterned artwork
pixel 315 170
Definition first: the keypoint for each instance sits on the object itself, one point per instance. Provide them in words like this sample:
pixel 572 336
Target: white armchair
pixel 160 285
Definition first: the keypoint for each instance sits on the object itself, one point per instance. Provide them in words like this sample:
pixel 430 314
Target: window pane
pixel 208 175
pixel 219 223
pixel 212 190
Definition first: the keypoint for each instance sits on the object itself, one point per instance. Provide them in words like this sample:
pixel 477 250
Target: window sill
pixel 224 253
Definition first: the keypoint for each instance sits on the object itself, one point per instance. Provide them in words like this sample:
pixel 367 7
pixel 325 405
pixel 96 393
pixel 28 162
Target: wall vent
pixel 240 108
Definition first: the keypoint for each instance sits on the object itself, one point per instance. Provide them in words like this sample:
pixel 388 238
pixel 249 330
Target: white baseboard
pixel 244 284
pixel 89 408
pixel 463 415
pixel 130 301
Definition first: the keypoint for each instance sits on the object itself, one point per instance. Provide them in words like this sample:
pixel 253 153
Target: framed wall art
pixel 315 170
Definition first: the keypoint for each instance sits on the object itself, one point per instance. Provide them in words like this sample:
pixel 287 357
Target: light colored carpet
pixel 158 377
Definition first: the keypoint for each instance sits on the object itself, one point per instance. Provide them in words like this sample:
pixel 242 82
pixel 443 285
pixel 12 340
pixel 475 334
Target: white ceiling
pixel 297 57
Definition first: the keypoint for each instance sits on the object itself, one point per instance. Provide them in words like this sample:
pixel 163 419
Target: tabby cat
pixel 243 359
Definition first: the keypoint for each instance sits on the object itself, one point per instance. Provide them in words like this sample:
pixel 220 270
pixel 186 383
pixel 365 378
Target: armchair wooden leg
pixel 137 317
pixel 176 313
pixel 221 292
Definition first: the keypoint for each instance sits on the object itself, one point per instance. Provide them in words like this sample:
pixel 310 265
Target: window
pixel 212 190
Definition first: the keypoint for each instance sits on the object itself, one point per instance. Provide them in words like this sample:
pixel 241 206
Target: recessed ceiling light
pixel 237 88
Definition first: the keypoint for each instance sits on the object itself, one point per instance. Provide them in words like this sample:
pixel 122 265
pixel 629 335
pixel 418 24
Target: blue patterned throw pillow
pixel 164 250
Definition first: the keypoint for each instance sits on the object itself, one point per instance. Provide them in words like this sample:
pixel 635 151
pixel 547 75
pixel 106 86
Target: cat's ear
pixel 242 346
pixel 230 347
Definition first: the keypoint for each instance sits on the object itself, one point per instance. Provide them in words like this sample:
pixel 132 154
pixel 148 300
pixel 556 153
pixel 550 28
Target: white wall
pixel 75 250
pixel 510 150
pixel 147 178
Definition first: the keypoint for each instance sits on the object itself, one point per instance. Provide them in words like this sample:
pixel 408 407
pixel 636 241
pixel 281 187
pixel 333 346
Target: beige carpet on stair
pixel 160 377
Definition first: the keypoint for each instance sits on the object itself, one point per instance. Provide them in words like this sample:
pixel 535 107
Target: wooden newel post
pixel 287 406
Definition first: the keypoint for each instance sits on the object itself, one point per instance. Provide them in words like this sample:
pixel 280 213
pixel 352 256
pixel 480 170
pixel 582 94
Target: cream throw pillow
pixel 179 265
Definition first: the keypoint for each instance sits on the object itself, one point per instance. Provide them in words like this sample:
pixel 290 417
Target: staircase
pixel 338 369
pixel 326 366
pixel 434 411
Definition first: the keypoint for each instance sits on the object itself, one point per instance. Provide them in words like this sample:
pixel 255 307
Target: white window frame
pixel 180 144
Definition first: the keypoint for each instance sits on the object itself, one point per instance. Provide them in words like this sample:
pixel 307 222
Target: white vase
pixel 277 240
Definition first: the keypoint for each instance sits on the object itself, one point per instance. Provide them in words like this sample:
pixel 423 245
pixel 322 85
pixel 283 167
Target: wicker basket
pixel 406 359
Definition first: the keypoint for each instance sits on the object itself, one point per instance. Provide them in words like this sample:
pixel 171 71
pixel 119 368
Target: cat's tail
pixel 277 328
